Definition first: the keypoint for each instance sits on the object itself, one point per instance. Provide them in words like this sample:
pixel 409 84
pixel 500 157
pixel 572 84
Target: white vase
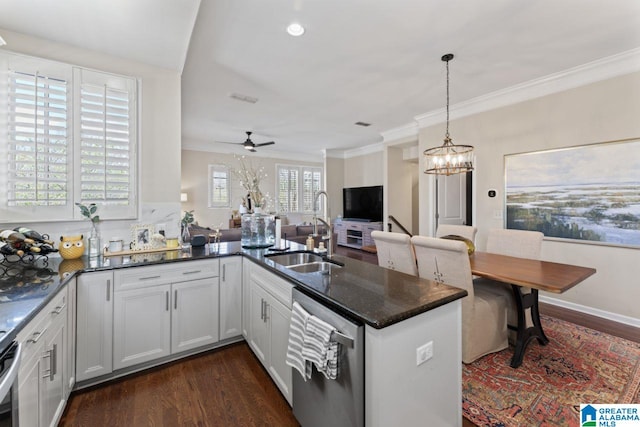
pixel 257 210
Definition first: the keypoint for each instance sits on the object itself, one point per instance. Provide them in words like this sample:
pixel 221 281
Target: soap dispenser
pixel 310 243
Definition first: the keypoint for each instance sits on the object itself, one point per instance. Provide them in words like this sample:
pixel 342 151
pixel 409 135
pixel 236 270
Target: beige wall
pixel 195 166
pixel 334 182
pixel 160 131
pixel 402 177
pixel 603 111
pixel 364 171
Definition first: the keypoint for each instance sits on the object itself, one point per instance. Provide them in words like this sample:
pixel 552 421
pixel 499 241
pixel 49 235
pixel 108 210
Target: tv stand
pixel 355 233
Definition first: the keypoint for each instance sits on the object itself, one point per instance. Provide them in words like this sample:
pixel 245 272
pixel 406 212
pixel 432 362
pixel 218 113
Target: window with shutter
pixel 38 140
pixel 219 190
pixel 66 135
pixel 296 187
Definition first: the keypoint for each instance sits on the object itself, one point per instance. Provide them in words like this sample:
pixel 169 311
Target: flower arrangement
pixel 250 178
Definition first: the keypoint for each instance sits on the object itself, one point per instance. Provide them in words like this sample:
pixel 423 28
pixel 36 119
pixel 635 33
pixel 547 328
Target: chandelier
pixel 448 158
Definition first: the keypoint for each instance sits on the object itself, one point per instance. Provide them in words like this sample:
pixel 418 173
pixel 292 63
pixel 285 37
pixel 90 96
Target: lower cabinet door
pixel 52 386
pixel 141 325
pixel 195 314
pixel 29 389
pixel 258 322
pixel 280 318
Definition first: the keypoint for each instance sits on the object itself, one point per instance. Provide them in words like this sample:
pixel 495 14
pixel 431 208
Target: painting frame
pixel 586 193
pixel 141 236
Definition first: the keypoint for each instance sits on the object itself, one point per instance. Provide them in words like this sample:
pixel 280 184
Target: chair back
pixel 518 243
pixel 466 231
pixel 445 261
pixel 395 251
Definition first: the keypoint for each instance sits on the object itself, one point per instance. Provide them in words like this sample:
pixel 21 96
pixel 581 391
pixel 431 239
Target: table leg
pixel 525 334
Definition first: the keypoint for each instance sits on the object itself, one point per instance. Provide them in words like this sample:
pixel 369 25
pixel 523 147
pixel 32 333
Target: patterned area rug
pixel 579 365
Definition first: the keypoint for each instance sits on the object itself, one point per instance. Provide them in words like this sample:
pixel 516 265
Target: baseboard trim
pixel 614 317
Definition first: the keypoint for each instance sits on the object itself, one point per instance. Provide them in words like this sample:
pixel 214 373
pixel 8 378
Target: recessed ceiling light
pixel 295 29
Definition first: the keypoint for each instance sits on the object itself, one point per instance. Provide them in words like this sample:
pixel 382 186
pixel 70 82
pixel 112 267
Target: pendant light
pixel 448 159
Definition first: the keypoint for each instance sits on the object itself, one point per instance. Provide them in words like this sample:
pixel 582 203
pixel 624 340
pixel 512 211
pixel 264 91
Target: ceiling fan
pixel 249 145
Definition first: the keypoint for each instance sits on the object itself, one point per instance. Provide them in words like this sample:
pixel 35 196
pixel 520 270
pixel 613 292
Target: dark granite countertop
pixel 368 293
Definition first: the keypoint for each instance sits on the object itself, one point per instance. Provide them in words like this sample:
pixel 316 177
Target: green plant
pixel 89 212
pixel 187 218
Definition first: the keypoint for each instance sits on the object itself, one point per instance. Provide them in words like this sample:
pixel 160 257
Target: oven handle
pixel 11 374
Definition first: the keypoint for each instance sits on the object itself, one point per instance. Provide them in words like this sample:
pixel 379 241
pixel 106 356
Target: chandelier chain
pixel 447 132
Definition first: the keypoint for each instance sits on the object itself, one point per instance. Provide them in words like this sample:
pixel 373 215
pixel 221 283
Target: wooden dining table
pixel 528 273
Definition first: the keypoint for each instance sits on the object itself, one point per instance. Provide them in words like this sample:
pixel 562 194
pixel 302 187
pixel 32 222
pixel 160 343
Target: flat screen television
pixel 362 203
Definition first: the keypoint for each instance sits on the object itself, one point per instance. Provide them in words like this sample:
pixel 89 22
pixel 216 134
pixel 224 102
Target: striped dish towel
pixel 294 357
pixel 318 347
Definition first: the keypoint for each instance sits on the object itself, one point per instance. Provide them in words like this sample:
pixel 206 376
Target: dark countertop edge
pixel 375 323
pixel 379 323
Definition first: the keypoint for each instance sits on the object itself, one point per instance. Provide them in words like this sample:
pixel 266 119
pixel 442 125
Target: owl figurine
pixel 71 247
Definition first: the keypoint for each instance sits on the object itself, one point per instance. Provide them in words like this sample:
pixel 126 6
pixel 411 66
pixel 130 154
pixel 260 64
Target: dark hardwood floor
pixel 225 387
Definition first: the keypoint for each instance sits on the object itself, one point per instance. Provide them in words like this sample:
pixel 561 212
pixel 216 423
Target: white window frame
pixel 125 204
pixel 214 201
pixel 300 192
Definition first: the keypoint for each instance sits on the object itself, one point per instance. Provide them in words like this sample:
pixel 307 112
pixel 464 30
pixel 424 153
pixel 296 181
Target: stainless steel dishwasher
pixel 340 402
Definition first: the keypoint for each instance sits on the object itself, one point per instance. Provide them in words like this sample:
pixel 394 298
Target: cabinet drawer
pixel 36 330
pixel 357 227
pixel 279 288
pixel 142 277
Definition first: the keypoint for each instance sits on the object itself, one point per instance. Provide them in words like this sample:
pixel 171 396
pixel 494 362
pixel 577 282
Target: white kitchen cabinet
pixel 94 325
pixel 246 298
pixel 269 308
pixel 230 297
pixel 164 309
pixel 195 314
pixel 41 378
pixel 70 367
pixel 141 325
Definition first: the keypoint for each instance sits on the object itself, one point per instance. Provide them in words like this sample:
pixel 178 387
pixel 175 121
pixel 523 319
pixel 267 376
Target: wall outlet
pixel 497 214
pixel 424 353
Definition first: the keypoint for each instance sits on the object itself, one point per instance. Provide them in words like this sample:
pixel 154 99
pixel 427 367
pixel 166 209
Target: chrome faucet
pixel 329 228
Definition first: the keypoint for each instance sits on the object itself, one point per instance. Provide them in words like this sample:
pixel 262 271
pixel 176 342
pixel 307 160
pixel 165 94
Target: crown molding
pixel 362 151
pixel 602 69
pixel 404 132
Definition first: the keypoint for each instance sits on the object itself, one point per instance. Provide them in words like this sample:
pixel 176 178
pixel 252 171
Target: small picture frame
pixel 141 236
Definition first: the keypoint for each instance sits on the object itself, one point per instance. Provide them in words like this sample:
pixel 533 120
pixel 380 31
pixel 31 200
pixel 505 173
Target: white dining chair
pixel 484 314
pixel 517 243
pixel 466 231
pixel 395 251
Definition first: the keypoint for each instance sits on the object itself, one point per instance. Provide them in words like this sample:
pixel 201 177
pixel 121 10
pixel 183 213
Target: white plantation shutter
pixel 219 190
pixel 311 183
pixel 107 139
pixel 287 186
pixel 296 187
pixel 67 135
pixel 38 140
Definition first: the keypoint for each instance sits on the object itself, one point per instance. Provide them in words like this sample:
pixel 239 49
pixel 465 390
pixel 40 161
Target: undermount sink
pixel 304 262
pixel 312 267
pixel 295 258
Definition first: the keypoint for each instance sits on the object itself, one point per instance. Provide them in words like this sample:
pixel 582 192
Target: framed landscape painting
pixel 589 193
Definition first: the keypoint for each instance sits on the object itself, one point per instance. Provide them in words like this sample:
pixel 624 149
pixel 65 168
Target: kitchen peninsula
pixel 400 313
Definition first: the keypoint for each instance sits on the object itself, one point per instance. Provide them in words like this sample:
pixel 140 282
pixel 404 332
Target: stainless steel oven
pixel 9 364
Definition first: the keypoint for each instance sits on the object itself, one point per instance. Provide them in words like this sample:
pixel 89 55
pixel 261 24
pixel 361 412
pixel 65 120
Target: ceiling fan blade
pixel 265 143
pixel 253 150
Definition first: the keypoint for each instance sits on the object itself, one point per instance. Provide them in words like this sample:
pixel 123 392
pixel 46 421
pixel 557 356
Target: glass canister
pixel 254 232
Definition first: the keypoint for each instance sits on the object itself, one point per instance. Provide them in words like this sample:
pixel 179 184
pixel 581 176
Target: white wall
pixel 399 186
pixel 195 166
pixel 334 182
pixel 160 134
pixel 598 112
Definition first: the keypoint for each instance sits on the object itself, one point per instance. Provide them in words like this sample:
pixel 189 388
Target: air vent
pixel 244 98
pixel 363 124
